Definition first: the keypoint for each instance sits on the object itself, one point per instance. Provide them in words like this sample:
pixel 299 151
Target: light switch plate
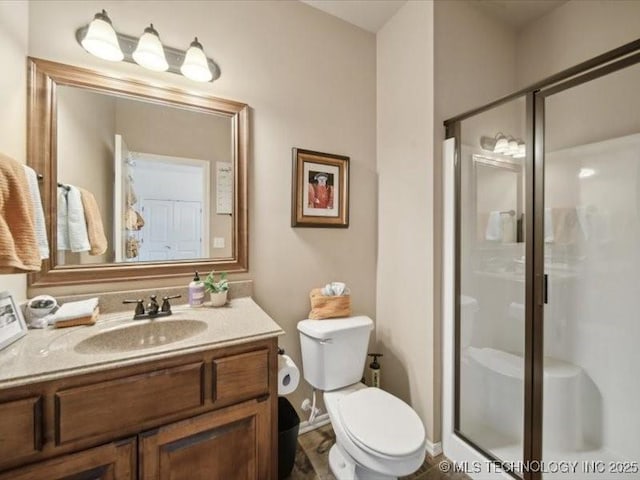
pixel 218 242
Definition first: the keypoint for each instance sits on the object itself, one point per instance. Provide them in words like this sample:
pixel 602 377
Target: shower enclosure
pixel 542 278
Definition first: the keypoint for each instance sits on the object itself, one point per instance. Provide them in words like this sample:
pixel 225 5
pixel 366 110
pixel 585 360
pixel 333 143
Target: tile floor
pixel 312 460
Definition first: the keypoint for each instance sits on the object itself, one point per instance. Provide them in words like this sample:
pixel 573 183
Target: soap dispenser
pixel 374 370
pixel 196 292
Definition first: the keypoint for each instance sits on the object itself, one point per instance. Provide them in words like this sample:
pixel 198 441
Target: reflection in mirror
pixel 499 190
pixel 162 177
pixel 157 177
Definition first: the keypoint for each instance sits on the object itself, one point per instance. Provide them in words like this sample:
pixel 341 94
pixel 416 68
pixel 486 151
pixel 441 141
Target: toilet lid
pixel 381 423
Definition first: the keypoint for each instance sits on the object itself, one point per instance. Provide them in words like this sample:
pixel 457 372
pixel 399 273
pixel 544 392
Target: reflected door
pixel 172 230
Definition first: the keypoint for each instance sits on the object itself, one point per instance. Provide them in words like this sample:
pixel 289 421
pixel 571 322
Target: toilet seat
pixel 381 424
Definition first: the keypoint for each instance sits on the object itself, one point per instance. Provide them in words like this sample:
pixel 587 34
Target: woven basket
pixel 323 307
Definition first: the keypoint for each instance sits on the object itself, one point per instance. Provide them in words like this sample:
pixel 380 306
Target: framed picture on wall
pixel 320 189
pixel 12 324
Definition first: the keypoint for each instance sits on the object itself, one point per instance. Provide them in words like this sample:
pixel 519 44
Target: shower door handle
pixel 545 289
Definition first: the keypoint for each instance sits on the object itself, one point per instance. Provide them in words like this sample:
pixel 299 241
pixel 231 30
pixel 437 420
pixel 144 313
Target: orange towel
pixel 95 229
pixel 18 243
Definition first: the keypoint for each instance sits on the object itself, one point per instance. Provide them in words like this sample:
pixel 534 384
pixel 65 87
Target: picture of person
pixel 7 315
pixel 320 193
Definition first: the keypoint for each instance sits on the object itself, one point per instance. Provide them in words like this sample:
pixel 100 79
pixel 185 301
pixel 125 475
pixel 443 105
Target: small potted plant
pixel 217 289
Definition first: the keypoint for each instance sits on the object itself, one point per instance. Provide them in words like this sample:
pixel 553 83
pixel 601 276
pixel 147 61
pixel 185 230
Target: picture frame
pixel 12 324
pixel 320 189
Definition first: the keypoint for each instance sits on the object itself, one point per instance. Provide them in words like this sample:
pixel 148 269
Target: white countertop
pixel 49 353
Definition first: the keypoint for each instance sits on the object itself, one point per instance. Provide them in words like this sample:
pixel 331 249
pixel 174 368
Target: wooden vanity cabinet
pixel 229 444
pixel 113 461
pixel 203 416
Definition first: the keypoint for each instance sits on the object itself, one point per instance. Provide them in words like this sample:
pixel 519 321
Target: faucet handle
pixel 139 306
pixel 166 306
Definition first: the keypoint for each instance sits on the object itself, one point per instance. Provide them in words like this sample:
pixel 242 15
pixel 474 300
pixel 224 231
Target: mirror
pixel 499 201
pixel 166 168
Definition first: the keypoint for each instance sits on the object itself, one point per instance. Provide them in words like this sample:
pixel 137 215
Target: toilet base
pixel 344 468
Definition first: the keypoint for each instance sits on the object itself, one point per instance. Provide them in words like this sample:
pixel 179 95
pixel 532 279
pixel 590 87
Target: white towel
pixel 494 227
pixel 80 309
pixel 508 228
pixel 38 220
pixel 548 226
pixel 584 220
pixel 78 235
pixel 63 220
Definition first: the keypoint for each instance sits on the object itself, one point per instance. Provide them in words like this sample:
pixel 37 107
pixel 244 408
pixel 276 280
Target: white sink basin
pixel 140 336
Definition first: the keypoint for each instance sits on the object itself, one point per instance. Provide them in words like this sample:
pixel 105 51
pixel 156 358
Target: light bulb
pixel 149 53
pixel 502 144
pixel 101 39
pixel 196 65
pixel 522 151
pixel 513 147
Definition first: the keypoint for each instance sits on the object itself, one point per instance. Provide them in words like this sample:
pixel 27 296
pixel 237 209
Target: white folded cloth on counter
pixel 71 310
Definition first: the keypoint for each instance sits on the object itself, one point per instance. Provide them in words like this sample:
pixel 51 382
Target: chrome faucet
pixel 153 308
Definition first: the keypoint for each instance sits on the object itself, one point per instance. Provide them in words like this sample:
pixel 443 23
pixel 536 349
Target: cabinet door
pixel 114 461
pixel 229 444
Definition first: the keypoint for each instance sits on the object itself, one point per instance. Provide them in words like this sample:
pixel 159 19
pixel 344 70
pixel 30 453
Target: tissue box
pixel 323 307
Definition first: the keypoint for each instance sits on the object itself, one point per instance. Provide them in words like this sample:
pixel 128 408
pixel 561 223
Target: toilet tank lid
pixel 323 329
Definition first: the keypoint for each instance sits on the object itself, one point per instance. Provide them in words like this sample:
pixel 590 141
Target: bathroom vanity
pixel 126 400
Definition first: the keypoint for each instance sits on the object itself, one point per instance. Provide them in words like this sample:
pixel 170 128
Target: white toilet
pixel 378 436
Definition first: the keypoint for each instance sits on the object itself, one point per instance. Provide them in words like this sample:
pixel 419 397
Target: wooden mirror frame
pixel 43 80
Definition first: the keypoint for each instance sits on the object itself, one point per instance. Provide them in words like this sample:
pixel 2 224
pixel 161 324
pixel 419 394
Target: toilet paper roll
pixel 288 375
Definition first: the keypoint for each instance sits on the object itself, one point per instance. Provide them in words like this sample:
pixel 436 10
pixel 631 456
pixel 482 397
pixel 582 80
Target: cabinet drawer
pixel 124 404
pixel 240 377
pixel 20 428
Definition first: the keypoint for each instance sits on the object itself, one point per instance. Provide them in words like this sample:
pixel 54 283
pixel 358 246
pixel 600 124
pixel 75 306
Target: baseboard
pixel 320 421
pixel 434 449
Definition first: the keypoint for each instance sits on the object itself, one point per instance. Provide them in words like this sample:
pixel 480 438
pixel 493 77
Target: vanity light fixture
pixel 149 52
pixel 100 39
pixel 195 64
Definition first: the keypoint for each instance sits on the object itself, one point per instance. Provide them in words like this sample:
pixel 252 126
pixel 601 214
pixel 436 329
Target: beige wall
pixel 572 33
pixel 310 81
pixel 405 322
pixel 585 29
pixel 14 28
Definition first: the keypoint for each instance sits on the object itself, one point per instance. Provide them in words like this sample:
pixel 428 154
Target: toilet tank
pixel 334 351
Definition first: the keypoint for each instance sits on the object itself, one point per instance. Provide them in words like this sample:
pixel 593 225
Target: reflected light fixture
pixel 504 145
pixel 586 173
pixel 522 150
pixel 100 39
pixel 195 65
pixel 149 52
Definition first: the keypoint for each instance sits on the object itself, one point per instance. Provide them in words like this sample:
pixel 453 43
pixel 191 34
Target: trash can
pixel 288 425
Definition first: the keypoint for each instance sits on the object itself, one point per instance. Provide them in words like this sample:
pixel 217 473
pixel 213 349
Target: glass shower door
pixel 591 386
pixel 490 320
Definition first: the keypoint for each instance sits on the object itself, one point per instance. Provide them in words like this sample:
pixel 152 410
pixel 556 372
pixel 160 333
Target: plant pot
pixel 218 299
